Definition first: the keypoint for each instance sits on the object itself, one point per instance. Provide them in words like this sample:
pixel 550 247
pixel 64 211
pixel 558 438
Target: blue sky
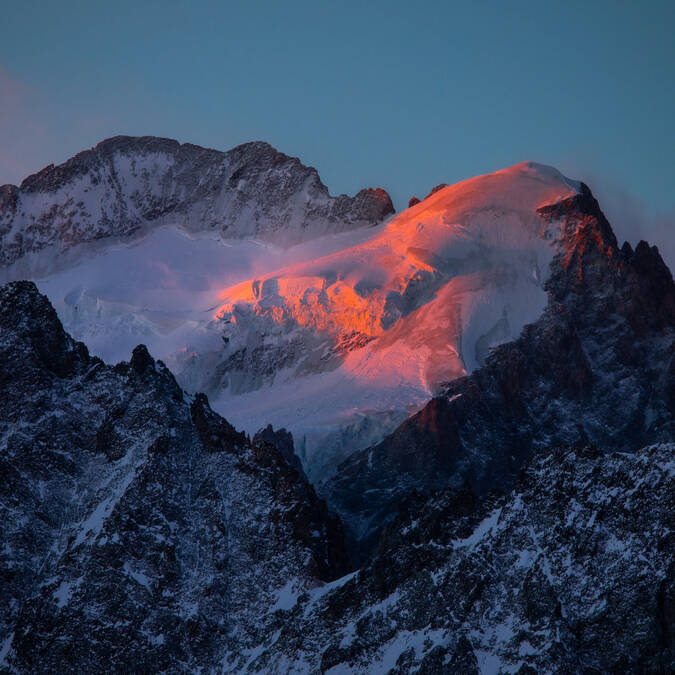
pixel 394 94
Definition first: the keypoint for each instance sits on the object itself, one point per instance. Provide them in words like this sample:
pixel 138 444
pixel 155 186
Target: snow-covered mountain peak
pixel 523 187
pixel 126 186
pixel 496 211
pixel 527 185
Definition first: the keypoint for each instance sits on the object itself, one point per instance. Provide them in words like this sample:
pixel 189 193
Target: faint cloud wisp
pixel 630 217
pixel 23 133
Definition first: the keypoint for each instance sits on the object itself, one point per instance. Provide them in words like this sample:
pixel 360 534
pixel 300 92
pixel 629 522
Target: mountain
pixel 343 347
pixel 138 529
pixel 597 366
pixel 141 532
pixel 284 305
pixel 134 239
pixel 127 185
pixel 572 572
pixel 504 299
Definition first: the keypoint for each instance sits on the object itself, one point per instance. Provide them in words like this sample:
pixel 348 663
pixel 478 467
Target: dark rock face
pixel 282 440
pixel 434 190
pixel 570 572
pixel 598 366
pixel 414 200
pixel 139 531
pixel 126 184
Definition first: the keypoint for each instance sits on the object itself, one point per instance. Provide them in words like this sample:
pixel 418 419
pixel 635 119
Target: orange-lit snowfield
pixel 433 291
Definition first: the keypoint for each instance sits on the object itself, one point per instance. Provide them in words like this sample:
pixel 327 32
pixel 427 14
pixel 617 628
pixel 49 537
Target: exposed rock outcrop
pixel 570 572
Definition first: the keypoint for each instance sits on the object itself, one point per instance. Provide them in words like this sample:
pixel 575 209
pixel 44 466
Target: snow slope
pixel 158 289
pixel 344 346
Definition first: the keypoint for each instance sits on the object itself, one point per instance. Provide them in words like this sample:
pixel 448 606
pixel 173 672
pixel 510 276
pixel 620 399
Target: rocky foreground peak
pixel 132 517
pixel 569 572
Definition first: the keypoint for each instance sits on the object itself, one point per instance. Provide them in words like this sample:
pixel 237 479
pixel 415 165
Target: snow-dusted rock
pixel 139 531
pixel 571 572
pixel 125 185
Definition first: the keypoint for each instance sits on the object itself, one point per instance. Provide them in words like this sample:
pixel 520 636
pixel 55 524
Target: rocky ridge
pixel 125 185
pixel 138 528
pixel 141 531
pixel 570 572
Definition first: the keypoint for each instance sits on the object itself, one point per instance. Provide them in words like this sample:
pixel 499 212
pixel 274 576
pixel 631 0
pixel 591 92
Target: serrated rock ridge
pixel 125 185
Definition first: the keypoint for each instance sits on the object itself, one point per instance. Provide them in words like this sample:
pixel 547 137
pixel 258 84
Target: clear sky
pixel 397 94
